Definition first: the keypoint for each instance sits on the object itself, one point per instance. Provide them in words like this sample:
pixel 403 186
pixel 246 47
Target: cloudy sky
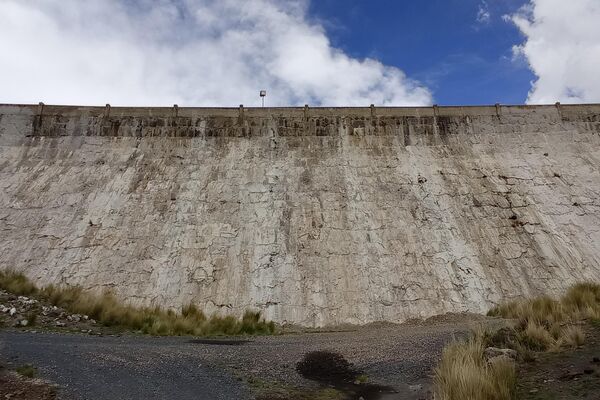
pixel 319 52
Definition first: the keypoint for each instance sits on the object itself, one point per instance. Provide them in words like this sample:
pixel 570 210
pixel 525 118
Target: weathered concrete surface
pixel 315 216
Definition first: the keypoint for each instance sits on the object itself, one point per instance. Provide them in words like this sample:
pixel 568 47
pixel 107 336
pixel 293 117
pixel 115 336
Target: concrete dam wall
pixel 315 216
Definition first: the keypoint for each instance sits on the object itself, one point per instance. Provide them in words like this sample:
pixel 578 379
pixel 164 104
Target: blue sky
pixel 316 52
pixel 463 59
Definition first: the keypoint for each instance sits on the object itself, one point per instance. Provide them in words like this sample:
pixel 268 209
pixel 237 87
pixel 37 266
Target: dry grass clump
pixel 109 311
pixel 536 337
pixel 464 374
pixel 542 324
pixel 571 336
pixel 27 370
pixel 546 324
pixel 583 301
pixel 16 283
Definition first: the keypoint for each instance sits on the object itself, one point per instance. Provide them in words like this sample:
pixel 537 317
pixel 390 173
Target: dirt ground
pixel 16 387
pixel 140 367
pixel 568 375
pixel 395 361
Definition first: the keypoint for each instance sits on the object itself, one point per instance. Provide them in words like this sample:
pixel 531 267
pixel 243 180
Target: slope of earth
pixel 569 375
pixel 136 367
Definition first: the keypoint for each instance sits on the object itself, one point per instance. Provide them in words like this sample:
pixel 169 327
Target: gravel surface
pixel 138 367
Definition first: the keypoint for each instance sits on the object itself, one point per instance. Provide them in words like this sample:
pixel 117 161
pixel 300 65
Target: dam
pixel 314 216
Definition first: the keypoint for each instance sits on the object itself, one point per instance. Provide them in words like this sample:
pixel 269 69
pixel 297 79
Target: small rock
pixel 493 352
pixel 571 376
pixel 12 311
pixel 534 391
pixel 500 358
pixel 74 318
pixel 58 323
pixel 415 388
pixel 24 322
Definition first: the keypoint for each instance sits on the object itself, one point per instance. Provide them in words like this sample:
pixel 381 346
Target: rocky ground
pixel 138 367
pixel 393 362
pixel 396 358
pixel 388 362
pixel 30 314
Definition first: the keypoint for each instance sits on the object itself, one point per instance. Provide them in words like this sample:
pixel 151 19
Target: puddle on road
pixel 333 370
pixel 220 342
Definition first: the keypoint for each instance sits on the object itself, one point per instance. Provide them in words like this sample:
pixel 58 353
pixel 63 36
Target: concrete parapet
pixel 184 122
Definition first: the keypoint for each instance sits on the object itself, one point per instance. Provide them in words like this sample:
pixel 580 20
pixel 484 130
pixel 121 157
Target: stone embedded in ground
pixel 415 388
pixel 493 352
pixel 500 358
pixel 314 216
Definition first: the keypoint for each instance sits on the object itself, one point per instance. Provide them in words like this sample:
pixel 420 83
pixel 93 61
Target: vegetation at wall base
pixel 110 311
pixel 540 325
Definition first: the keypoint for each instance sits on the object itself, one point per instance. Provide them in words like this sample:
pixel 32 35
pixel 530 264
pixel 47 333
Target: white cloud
pixel 483 14
pixel 562 48
pixel 189 52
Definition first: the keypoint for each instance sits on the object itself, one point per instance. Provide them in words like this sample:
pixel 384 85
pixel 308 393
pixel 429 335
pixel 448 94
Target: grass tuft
pixel 464 374
pixel 536 337
pixel 572 336
pixel 109 311
pixel 544 323
pixel 27 370
pixel 17 284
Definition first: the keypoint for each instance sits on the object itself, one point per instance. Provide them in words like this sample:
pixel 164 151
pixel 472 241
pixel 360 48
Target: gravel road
pixel 137 367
